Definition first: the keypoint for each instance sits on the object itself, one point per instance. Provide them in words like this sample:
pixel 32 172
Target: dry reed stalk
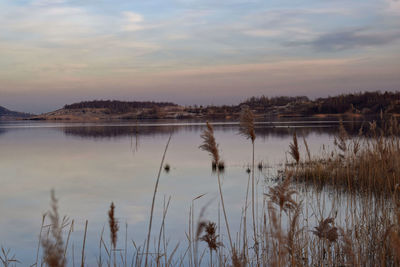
pixel 307 149
pixel 154 200
pixel 71 229
pixel 39 240
pixel 294 149
pixel 284 245
pixel 211 147
pixel 6 259
pixel 53 246
pixel 195 236
pixel 247 129
pixel 100 261
pixel 162 229
pixel 83 245
pixel 292 247
pixel 245 244
pixel 281 195
pixel 126 244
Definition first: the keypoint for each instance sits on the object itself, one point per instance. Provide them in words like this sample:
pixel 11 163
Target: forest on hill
pixel 115 106
pixel 359 103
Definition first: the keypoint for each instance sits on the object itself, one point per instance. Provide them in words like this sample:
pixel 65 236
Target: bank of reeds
pixel 367 163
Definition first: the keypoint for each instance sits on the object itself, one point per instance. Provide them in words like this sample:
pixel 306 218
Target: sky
pixel 56 52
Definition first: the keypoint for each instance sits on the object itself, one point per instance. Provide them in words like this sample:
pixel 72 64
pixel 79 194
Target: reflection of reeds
pixel 167 168
pixel 220 166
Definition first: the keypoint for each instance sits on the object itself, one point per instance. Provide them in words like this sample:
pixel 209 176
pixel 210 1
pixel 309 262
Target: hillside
pixel 368 103
pixel 356 105
pixel 6 114
pixel 112 110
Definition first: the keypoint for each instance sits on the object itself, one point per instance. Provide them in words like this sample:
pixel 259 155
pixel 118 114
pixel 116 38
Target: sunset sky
pixel 54 52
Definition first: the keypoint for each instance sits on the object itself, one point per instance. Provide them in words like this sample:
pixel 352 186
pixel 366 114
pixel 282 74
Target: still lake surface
pixel 91 164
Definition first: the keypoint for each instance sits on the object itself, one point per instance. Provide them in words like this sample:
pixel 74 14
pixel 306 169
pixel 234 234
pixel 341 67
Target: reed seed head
pixel 281 195
pixel 209 143
pixel 294 149
pixel 247 123
pixel 210 236
pixel 113 223
pixel 327 230
pixel 53 246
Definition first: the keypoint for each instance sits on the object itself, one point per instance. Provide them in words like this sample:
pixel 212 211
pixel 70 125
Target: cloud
pixel 132 21
pixel 393 7
pixel 350 39
pixel 48 2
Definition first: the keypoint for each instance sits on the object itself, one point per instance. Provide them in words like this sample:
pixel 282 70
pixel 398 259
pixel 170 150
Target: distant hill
pixel 367 103
pixel 9 114
pixel 354 105
pixel 99 110
pixel 115 106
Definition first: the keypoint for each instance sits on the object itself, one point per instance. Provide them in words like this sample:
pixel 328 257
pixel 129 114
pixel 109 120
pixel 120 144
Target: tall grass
pixel 210 145
pixel 247 129
pixel 367 164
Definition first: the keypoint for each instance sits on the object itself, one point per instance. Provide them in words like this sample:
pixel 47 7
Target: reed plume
pixel 53 246
pixel 340 140
pixel 294 149
pixel 209 144
pixel 247 123
pixel 326 230
pixel 281 195
pixel 114 227
pixel 307 149
pixel 113 223
pixel 210 237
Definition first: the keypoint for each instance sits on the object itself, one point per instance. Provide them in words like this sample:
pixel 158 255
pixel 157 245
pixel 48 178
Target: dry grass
pixel 209 145
pixel 53 244
pixel 359 164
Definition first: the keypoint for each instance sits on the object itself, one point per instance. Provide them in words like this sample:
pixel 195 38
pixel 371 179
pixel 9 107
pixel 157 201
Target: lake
pixel 89 165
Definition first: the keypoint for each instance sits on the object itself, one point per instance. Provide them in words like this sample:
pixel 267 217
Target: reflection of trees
pixel 276 129
pixel 118 131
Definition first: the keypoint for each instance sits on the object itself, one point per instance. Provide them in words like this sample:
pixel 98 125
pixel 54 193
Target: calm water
pixel 90 165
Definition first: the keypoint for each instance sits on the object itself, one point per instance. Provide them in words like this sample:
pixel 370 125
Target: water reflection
pixel 263 129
